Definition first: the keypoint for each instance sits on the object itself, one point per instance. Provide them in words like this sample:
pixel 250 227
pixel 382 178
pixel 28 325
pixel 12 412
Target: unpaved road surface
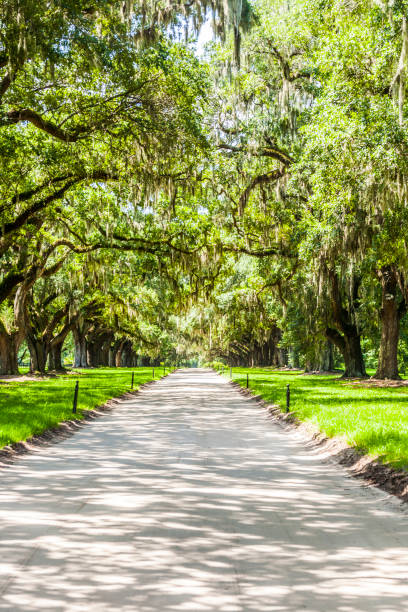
pixel 189 498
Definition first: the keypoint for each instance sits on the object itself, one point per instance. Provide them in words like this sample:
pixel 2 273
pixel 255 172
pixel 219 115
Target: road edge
pixel 337 450
pixel 65 429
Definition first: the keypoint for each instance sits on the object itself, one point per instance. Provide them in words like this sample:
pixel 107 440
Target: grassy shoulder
pixel 30 407
pixel 372 419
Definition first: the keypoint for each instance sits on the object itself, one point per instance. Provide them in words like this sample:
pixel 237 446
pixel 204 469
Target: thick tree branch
pixel 269 151
pixel 60 337
pixel 337 339
pixel 275 250
pixel 26 215
pixel 79 132
pixel 55 320
pixel 30 193
pixel 261 179
pixel 286 70
pixel 5 84
pixel 26 114
pixel 151 246
pixel 9 282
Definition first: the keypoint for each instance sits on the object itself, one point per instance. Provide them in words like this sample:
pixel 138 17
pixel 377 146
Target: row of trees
pixel 309 173
pixel 250 205
pixel 99 121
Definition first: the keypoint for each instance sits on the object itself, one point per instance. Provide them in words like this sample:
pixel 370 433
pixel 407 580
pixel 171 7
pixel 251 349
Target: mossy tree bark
pixel 9 346
pixel 80 345
pixel 392 309
pixel 345 333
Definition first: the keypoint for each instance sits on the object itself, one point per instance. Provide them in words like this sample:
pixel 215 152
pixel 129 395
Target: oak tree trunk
pixel 118 356
pixel 10 342
pixel 390 315
pixel 38 353
pixel 104 356
pixel 353 357
pixel 55 357
pixel 346 335
pixel 326 358
pixel 113 350
pixel 350 347
pixel 80 352
pixel 9 346
pixel 93 350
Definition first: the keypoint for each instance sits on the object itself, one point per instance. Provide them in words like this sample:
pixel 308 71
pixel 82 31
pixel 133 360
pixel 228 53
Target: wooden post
pixel 153 372
pixel 133 379
pixel 287 398
pixel 231 373
pixel 74 406
pixel 247 381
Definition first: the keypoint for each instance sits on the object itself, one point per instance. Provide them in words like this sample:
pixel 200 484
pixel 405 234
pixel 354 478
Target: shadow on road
pixel 187 498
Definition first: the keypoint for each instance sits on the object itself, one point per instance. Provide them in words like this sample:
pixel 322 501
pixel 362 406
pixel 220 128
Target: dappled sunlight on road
pixel 189 498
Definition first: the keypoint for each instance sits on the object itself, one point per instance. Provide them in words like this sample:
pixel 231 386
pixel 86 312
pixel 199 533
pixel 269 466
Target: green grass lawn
pixel 28 408
pixel 373 419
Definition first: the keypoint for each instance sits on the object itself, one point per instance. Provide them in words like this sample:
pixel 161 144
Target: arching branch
pixel 269 151
pixel 36 207
pixel 261 179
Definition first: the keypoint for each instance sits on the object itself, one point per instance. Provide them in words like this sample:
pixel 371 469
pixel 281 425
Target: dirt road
pixel 189 498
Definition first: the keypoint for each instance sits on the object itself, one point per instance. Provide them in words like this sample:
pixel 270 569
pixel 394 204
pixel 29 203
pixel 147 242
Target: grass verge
pixel 374 420
pixel 29 408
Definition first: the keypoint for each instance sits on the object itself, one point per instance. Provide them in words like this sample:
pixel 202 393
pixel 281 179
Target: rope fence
pixel 120 382
pixel 287 407
pixel 76 389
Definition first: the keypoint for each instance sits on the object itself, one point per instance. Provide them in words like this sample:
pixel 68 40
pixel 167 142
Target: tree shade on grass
pixel 372 419
pixel 31 407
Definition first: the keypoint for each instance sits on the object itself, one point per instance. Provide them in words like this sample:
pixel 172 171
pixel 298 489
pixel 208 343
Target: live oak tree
pixel 354 161
pixel 256 115
pixel 324 97
pixel 82 105
pixel 237 323
pixel 321 103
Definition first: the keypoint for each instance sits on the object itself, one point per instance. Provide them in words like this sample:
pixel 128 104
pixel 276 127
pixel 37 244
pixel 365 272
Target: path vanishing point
pixel 189 498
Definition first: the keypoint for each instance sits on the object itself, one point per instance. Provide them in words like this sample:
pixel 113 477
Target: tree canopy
pixel 246 204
